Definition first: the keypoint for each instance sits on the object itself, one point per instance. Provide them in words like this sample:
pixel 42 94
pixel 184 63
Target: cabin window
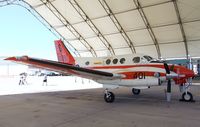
pixel 108 61
pixel 136 59
pixel 115 61
pixel 148 58
pixel 122 60
pixel 87 63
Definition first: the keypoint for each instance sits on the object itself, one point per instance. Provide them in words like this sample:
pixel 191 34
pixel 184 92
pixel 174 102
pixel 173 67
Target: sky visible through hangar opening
pixel 22 34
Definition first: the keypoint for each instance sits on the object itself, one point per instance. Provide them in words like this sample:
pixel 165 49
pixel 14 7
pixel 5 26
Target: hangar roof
pixel 160 28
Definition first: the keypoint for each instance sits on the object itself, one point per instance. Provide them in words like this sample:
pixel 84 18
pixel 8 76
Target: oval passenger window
pixel 115 61
pixel 87 63
pixel 122 60
pixel 108 61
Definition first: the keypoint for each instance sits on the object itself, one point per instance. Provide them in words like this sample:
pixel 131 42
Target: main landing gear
pixel 109 97
pixel 136 91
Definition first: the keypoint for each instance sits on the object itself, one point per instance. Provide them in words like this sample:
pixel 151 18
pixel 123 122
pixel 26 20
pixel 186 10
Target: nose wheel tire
pixel 109 97
pixel 188 97
pixel 136 91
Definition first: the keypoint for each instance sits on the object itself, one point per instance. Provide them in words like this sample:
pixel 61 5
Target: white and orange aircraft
pixel 135 71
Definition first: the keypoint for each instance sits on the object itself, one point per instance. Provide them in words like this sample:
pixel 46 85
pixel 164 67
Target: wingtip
pixel 10 58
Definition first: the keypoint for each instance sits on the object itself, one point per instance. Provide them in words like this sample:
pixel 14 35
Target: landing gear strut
pixel 109 97
pixel 136 91
pixel 186 96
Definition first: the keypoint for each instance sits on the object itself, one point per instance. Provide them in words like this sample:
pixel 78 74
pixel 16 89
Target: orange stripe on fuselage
pixel 135 75
pixel 127 66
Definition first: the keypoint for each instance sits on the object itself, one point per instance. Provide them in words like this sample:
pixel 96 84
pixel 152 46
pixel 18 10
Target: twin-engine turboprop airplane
pixel 134 71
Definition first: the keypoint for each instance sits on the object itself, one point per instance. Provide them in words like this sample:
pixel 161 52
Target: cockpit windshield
pixel 148 58
pixel 136 59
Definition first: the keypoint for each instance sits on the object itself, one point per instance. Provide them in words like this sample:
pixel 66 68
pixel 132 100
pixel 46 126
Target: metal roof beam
pixel 65 22
pixel 165 43
pixel 181 27
pixel 158 26
pixel 41 19
pixel 121 12
pixel 153 44
pixel 148 26
pixel 44 22
pixel 118 25
pixel 91 25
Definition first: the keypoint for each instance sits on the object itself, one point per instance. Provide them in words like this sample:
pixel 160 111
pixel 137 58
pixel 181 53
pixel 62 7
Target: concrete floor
pixel 86 108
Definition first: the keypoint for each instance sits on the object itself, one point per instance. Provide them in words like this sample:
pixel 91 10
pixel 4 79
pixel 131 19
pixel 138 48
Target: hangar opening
pixel 93 38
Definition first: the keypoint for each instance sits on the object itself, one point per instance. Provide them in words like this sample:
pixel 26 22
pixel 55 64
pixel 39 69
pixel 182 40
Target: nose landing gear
pixel 136 91
pixel 186 96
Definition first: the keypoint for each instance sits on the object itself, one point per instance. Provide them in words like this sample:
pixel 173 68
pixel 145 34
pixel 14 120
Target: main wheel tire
pixel 109 97
pixel 136 91
pixel 187 97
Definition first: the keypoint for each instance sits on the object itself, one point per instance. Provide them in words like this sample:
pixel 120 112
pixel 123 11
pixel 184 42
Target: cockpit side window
pixel 136 59
pixel 148 58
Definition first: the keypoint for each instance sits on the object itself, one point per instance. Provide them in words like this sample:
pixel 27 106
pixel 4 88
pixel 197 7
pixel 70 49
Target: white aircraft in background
pixel 134 71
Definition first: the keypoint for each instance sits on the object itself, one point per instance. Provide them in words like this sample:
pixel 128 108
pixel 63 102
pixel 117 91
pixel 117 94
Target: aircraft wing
pixel 65 68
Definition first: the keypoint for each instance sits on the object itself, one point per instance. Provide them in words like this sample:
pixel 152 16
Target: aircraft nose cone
pixel 189 73
pixel 185 71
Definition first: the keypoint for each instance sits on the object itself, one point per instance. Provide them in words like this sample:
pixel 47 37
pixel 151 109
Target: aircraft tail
pixel 63 54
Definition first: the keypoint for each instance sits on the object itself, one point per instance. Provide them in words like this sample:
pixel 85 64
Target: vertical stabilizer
pixel 63 53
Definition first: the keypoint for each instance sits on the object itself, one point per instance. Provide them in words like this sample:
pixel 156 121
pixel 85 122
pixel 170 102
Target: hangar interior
pixel 163 29
pixel 160 28
pixel 115 27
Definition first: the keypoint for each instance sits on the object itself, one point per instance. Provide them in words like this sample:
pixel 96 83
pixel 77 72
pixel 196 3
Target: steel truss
pixel 118 25
pixel 148 26
pixel 66 23
pixel 98 34
pixel 181 27
pixel 43 21
pixel 86 19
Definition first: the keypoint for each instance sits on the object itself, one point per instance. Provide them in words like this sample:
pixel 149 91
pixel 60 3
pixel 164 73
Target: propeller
pixel 167 68
pixel 168 83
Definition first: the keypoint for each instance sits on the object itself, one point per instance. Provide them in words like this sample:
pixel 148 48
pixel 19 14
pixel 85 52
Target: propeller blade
pixel 169 86
pixel 169 90
pixel 172 68
pixel 169 81
pixel 167 68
